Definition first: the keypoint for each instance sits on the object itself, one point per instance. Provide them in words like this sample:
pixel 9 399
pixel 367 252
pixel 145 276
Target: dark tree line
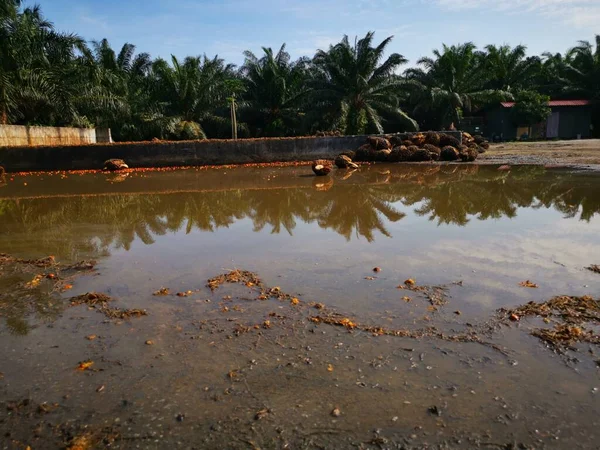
pixel 53 78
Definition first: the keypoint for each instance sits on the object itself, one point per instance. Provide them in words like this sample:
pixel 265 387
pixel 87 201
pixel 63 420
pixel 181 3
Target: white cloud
pixel 584 13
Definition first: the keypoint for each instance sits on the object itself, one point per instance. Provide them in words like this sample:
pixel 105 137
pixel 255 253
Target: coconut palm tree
pixel 450 83
pixel 353 87
pixel 275 90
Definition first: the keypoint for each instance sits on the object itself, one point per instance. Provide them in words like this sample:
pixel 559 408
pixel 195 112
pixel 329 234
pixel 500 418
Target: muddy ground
pixel 385 308
pixel 575 152
pixel 236 363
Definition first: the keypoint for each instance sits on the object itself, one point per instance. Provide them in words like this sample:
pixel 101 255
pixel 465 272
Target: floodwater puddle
pixel 393 306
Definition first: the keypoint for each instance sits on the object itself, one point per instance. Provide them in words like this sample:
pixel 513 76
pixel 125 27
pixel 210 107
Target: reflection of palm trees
pixel 206 211
pixel 356 207
pixel 80 227
pixel 279 208
pixel 18 302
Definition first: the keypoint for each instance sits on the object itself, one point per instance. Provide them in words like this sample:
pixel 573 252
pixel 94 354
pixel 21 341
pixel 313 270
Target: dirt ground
pixel 576 152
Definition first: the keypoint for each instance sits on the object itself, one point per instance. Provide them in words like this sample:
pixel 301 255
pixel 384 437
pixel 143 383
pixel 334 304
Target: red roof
pixel 555 103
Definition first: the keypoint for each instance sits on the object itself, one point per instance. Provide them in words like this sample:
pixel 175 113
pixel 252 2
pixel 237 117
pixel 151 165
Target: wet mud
pixel 233 319
pixel 275 371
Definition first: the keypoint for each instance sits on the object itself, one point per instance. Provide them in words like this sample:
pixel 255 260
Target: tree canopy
pixel 55 78
pixel 530 108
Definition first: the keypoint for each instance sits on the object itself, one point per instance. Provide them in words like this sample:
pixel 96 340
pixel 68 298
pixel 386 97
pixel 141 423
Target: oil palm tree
pixel 275 90
pixel 114 82
pixel 550 79
pixel 9 8
pixel 583 70
pixel 509 69
pixel 187 93
pixel 353 86
pixel 450 83
pixel 582 74
pixel 33 67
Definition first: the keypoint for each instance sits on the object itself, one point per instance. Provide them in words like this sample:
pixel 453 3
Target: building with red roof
pixel 570 119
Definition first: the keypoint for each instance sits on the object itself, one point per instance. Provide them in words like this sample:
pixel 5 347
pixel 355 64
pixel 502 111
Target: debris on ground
pixel 101 301
pixel 435 411
pixel 35 285
pixel 528 284
pixel 162 291
pixel 234 276
pixel 82 442
pixel 574 314
pixel 594 268
pixel 261 414
pixel 565 335
pixel 251 281
pixel 85 365
pixel 437 295
pixel 575 310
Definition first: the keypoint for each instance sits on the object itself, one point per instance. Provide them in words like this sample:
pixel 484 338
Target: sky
pixel 228 27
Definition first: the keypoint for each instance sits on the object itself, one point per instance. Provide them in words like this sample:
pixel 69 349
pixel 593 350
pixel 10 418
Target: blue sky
pixel 227 27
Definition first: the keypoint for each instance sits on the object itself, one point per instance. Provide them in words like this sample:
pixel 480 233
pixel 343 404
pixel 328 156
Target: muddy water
pixel 216 374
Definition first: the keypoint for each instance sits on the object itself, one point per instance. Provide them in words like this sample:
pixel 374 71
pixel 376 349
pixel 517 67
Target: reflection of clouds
pixel 497 262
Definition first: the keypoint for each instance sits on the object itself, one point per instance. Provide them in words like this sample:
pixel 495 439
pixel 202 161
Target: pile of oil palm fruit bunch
pixel 415 147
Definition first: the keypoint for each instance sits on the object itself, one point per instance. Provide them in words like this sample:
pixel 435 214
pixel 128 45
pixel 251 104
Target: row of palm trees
pixel 53 78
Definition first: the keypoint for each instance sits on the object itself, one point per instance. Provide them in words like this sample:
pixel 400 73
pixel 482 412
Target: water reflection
pixel 362 204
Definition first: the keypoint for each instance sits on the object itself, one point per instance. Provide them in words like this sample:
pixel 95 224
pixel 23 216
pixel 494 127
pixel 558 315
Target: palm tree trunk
pixel 3 116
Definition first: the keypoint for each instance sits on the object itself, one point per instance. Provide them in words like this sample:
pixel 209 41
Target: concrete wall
pixel 18 135
pixel 182 153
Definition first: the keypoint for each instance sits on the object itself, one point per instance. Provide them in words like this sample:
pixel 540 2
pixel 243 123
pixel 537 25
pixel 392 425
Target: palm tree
pixel 508 69
pixel 9 8
pixel 188 93
pixel 275 90
pixel 44 75
pixel 116 87
pixel 33 60
pixel 582 75
pixel 353 88
pixel 583 70
pixel 451 83
pixel 550 79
